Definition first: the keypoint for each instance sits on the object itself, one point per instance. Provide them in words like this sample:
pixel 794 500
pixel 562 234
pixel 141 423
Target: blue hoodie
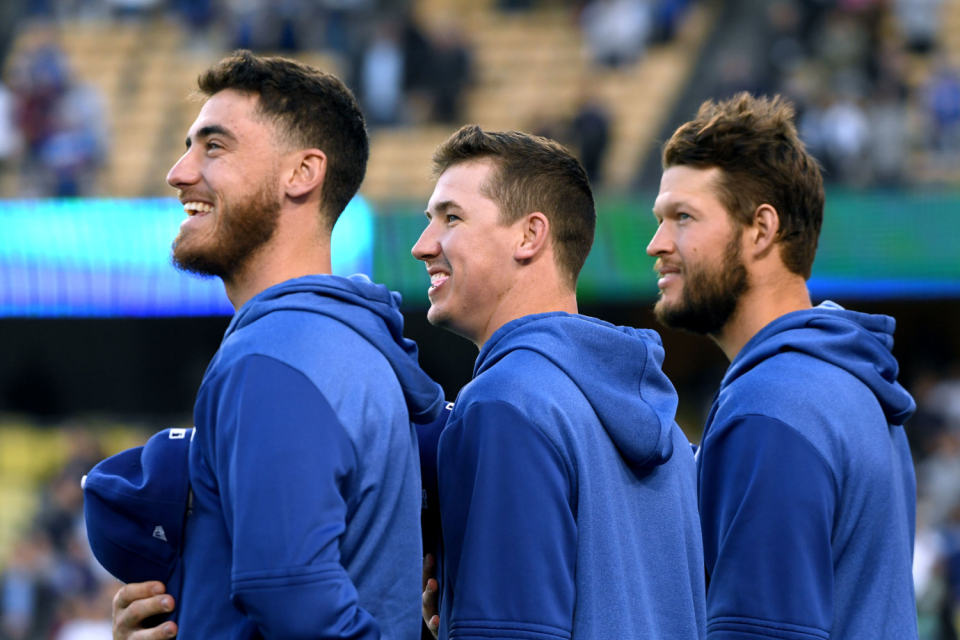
pixel 567 491
pixel 807 490
pixel 304 469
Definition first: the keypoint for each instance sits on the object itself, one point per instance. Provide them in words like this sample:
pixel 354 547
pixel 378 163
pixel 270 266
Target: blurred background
pixel 102 342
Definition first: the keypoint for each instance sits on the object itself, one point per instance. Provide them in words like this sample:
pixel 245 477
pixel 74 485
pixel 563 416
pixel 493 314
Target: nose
pixel 427 246
pixel 185 173
pixel 661 243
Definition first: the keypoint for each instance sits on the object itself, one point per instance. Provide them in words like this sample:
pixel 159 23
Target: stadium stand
pixel 530 66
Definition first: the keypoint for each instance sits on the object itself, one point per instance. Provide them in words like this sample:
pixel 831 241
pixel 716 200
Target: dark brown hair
pixel 754 142
pixel 531 174
pixel 312 109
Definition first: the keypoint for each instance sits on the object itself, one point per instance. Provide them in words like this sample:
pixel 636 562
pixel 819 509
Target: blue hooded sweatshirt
pixel 807 490
pixel 304 469
pixel 567 491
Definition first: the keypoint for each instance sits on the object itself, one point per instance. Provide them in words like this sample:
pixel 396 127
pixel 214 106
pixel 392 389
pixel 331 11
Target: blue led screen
pixel 112 258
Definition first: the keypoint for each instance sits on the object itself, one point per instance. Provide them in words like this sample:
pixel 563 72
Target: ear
pixel 536 229
pixel 763 234
pixel 306 173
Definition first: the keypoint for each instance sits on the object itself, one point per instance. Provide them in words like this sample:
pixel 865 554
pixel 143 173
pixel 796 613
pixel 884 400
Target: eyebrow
pixel 212 130
pixel 441 207
pixel 673 205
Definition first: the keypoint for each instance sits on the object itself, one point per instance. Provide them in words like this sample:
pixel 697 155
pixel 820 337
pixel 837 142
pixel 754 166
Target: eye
pixel 684 216
pixel 452 218
pixel 213 146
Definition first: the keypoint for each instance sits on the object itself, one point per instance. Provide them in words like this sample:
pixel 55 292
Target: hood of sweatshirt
pixel 616 368
pixel 372 310
pixel 858 343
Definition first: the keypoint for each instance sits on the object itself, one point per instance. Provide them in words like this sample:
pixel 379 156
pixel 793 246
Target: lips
pixel 668 275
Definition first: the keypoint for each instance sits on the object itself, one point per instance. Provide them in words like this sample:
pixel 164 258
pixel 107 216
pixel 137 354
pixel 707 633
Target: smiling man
pixel 806 485
pixel 304 518
pixel 567 494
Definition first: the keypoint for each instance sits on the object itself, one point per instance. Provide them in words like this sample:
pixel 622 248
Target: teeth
pixel 438 276
pixel 197 207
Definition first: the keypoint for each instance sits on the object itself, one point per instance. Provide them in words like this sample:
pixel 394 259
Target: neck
pixel 763 303
pixel 286 256
pixel 525 301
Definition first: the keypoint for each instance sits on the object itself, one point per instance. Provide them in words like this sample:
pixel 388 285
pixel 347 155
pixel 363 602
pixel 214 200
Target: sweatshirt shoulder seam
pixel 529 420
pixel 802 436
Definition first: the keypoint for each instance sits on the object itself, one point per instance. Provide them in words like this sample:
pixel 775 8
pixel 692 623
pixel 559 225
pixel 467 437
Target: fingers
pixel 164 632
pixel 133 604
pixel 429 570
pixel 136 591
pixel 430 609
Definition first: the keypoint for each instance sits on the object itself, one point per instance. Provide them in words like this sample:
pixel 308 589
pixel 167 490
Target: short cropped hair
pixel 754 142
pixel 531 174
pixel 311 109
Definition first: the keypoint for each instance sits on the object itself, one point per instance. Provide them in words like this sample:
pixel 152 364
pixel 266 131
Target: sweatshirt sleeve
pixel 284 465
pixel 767 500
pixel 428 438
pixel 509 532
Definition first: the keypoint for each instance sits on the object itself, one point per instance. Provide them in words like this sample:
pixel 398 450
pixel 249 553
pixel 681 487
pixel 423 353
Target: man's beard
pixel 710 295
pixel 242 228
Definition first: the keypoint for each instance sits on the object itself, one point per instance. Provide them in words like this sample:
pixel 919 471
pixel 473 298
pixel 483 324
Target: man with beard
pixel 304 516
pixel 567 490
pixel 806 485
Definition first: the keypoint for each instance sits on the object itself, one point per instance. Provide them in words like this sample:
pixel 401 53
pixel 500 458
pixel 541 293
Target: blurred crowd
pixel 51 587
pixel 934 433
pixel 401 71
pixel 53 128
pixel 878 98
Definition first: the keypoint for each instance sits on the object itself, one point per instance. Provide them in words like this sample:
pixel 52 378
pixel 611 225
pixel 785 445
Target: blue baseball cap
pixel 135 505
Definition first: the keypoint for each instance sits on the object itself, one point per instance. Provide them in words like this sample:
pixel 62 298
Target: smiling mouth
pixel 195 208
pixel 438 279
pixel 666 277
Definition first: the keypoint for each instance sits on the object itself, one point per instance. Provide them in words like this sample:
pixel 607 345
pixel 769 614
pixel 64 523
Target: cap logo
pixel 159 533
pixel 178 434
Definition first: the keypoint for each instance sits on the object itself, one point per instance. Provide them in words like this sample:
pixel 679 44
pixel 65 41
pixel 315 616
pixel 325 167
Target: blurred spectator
pixel 252 24
pixel 197 15
pixel 736 72
pixel 616 31
pixel 87 615
pixel 939 476
pixel 450 73
pixel 382 76
pixel 28 602
pixel 9 133
pixel 944 398
pixel 590 135
pixel 666 18
pixel 132 9
pixel 845 133
pixel 61 121
pixel 784 46
pixel 515 5
pixel 39 79
pixel 342 20
pixel 77 147
pixel 889 139
pixel 919 22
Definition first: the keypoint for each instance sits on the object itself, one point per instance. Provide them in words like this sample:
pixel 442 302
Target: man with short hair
pixel 305 506
pixel 806 485
pixel 567 491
